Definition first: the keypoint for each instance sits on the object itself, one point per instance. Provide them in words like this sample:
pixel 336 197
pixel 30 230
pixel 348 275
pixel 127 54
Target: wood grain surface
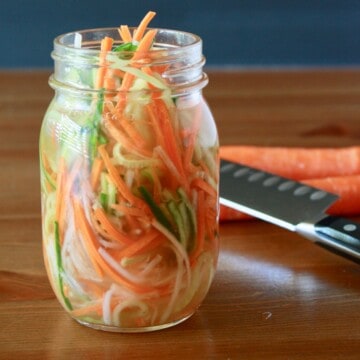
pixel 275 294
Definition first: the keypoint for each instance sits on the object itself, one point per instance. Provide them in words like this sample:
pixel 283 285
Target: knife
pixel 289 204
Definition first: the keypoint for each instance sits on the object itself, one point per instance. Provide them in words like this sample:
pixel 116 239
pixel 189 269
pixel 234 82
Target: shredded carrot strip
pixel 144 46
pixel 139 33
pixel 97 167
pixel 203 185
pixel 119 136
pixel 128 210
pixel 109 228
pixel 125 34
pixel 170 140
pixel 133 133
pixel 138 245
pixel 106 45
pixel 118 181
pixel 159 139
pixel 92 245
pixel 89 237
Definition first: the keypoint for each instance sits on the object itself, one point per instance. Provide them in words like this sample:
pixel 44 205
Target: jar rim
pixel 181 40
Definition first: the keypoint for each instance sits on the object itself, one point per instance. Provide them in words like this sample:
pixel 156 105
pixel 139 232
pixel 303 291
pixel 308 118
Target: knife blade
pixel 289 204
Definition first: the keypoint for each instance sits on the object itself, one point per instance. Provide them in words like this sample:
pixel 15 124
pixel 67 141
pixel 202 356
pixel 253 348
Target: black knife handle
pixel 340 235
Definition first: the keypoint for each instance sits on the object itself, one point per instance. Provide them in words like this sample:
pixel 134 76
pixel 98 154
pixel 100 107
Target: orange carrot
pixel 129 210
pixel 110 229
pixel 144 46
pixel 203 185
pixel 125 34
pixel 92 246
pixel 170 140
pixel 118 181
pixel 90 240
pixel 297 163
pixel 119 135
pixel 106 45
pixel 154 122
pixel 133 133
pixel 97 167
pixel 139 33
pixel 138 245
pixel 348 189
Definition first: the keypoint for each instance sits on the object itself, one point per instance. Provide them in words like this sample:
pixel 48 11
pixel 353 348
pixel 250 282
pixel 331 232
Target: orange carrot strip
pixel 202 184
pixel 297 163
pixel 139 33
pixel 97 167
pixel 133 133
pixel 118 181
pixel 106 45
pixel 129 210
pixel 90 240
pixel 119 135
pixel 155 125
pixel 92 245
pixel 128 79
pixel 109 228
pixel 170 140
pixel 125 34
pixel 137 245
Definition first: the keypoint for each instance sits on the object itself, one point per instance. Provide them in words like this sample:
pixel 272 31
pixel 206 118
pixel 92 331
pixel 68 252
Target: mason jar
pixel 129 180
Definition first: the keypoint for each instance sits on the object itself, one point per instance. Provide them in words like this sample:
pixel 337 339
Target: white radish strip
pixel 129 303
pixel 106 307
pixel 77 40
pixel 177 287
pixel 110 245
pixel 129 178
pixel 116 266
pixel 177 246
pixel 151 264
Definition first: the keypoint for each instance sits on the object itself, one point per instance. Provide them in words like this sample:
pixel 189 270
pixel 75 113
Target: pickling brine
pixel 129 178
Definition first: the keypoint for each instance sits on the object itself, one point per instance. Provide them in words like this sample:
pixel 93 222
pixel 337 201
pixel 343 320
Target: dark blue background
pixel 235 33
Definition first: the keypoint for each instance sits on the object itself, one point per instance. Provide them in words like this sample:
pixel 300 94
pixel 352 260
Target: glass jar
pixel 129 181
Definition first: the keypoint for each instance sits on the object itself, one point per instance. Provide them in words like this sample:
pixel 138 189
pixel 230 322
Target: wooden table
pixel 275 294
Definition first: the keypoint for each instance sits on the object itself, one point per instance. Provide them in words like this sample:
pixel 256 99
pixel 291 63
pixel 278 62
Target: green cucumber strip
pixel 188 228
pixel 126 47
pixel 104 201
pixel 59 265
pixel 189 208
pixel 96 137
pixel 179 222
pixel 156 210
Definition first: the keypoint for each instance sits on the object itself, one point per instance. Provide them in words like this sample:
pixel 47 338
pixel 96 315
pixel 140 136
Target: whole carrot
pixel 348 189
